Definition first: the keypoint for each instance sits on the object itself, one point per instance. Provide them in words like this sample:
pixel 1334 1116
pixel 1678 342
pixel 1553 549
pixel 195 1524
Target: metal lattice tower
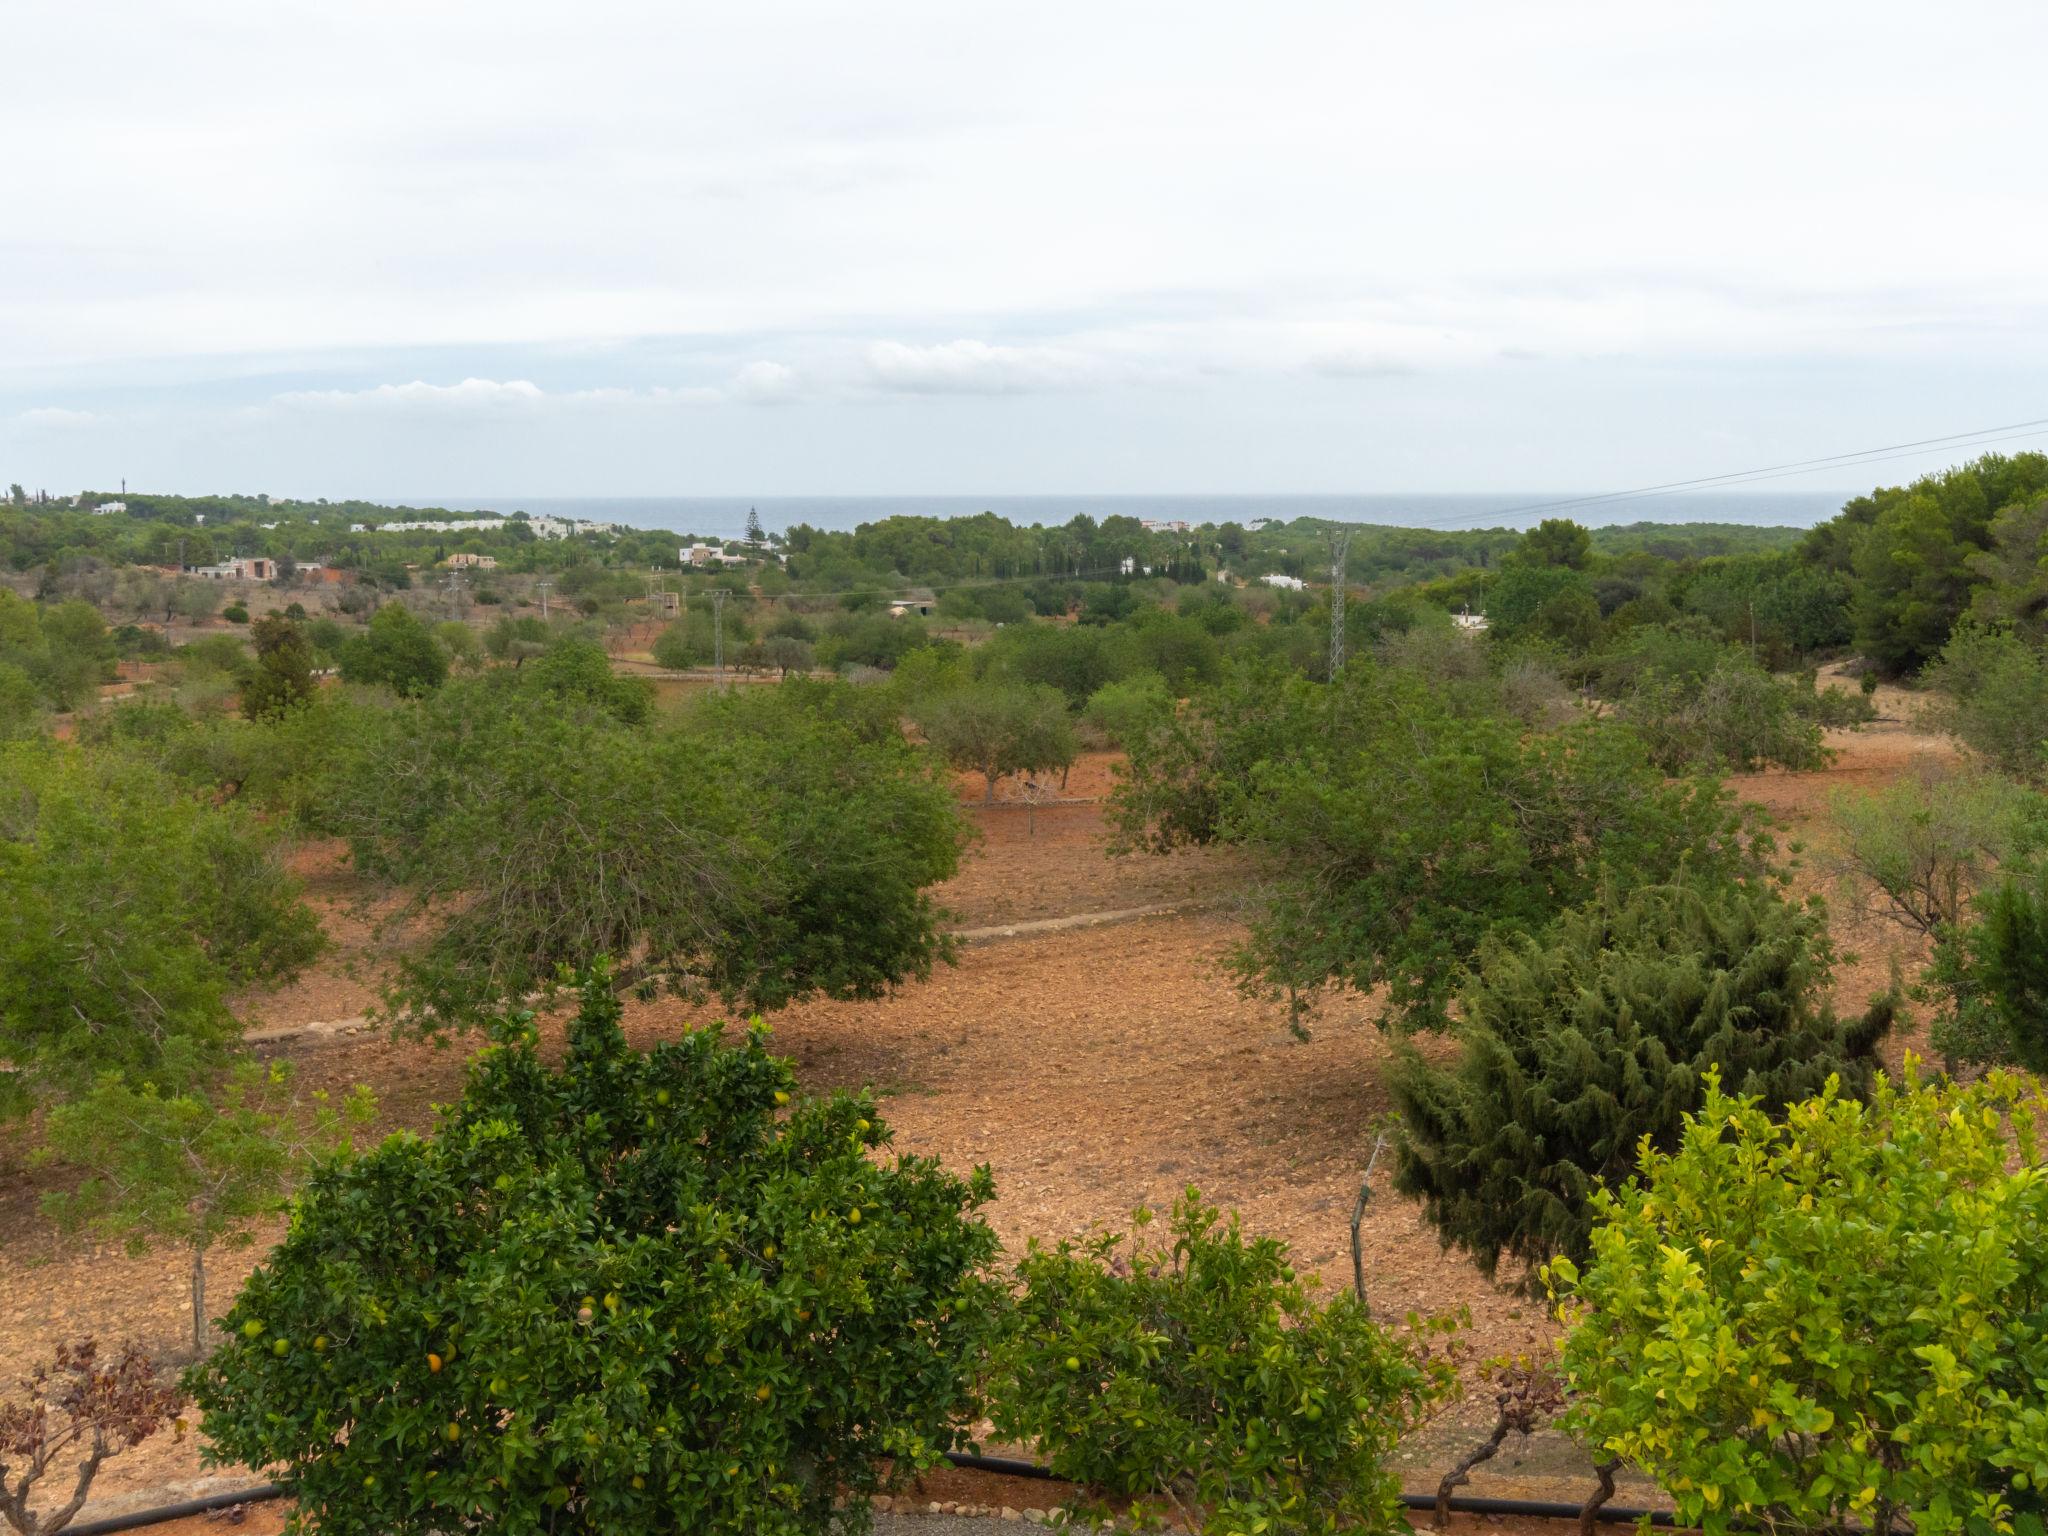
pixel 1340 547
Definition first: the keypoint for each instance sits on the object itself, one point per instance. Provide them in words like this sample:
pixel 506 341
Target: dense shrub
pixel 1205 1378
pixel 1831 1319
pixel 282 678
pixel 629 1295
pixel 1990 972
pixel 1994 697
pixel 397 651
pixel 1127 711
pixel 1735 717
pixel 1582 1043
pixel 579 670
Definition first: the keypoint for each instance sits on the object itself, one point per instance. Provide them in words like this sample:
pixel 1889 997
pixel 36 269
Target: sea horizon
pixel 726 516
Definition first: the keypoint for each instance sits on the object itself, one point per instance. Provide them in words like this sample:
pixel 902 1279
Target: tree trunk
pixel 990 797
pixel 1461 1474
pixel 1589 1512
pixel 198 1302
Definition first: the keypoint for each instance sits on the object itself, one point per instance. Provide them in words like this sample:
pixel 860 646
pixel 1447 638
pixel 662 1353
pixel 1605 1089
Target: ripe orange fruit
pixel 434 1363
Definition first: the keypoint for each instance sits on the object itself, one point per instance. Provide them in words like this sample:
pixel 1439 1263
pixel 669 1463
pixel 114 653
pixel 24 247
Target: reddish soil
pixel 1094 1069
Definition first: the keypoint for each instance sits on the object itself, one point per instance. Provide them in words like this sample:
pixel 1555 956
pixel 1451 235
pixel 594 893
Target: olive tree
pixel 997 729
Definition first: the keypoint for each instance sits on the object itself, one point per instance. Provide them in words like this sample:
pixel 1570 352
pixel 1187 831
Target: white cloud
pixel 471 395
pixel 56 418
pixel 975 368
pixel 495 397
pixel 766 383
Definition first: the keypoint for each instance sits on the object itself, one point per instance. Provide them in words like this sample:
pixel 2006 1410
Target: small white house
pixel 1465 618
pixel 1285 583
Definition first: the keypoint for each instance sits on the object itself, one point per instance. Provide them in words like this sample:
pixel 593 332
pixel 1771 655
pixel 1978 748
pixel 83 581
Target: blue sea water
pixel 726 516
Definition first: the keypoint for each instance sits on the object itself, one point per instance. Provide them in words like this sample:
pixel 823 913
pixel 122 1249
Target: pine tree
pixel 755 535
pixel 283 675
pixel 1580 1043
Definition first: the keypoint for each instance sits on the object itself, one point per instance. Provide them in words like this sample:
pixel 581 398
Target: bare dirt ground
pixel 1093 1068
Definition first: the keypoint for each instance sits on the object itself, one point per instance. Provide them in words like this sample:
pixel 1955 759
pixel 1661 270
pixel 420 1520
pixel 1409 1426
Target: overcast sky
pixel 421 249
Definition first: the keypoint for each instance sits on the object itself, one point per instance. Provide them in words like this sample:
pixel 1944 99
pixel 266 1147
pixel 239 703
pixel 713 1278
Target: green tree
pixel 21 703
pixel 397 651
pixel 786 654
pixel 1400 822
pixel 1828 1321
pixel 1128 711
pixel 1208 1381
pixel 1991 971
pixel 282 679
pixel 997 730
pixel 129 911
pixel 659 1301
pixel 575 669
pixel 1583 1044
pixel 190 1170
pixel 1922 845
pixel 1556 541
pixel 767 846
pixel 1994 698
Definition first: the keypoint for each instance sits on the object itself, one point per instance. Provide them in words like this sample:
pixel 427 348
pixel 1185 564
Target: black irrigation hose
pixel 1007 1466
pixel 140 1517
pixel 1542 1509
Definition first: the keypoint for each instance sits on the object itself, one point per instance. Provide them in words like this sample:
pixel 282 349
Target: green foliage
pixel 1580 1045
pixel 1075 659
pixel 1127 711
pixel 1992 972
pixel 397 652
pixel 1543 602
pixel 21 703
pixel 128 913
pixel 579 670
pixel 235 613
pixel 1736 717
pixel 1922 844
pixel 190 1170
pixel 282 679
pixel 1402 822
pixel 998 729
pixel 765 846
pixel 1833 1318
pixel 1556 541
pixel 1207 1379
pixel 1917 553
pixel 655 1302
pixel 1994 689
pixel 63 648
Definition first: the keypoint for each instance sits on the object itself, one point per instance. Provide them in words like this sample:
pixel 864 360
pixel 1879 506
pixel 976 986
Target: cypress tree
pixel 1578 1044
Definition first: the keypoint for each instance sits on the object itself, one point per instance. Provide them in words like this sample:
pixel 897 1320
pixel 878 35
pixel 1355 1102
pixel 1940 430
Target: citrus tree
pixel 638 1293
pixel 1838 1317
pixel 1205 1377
